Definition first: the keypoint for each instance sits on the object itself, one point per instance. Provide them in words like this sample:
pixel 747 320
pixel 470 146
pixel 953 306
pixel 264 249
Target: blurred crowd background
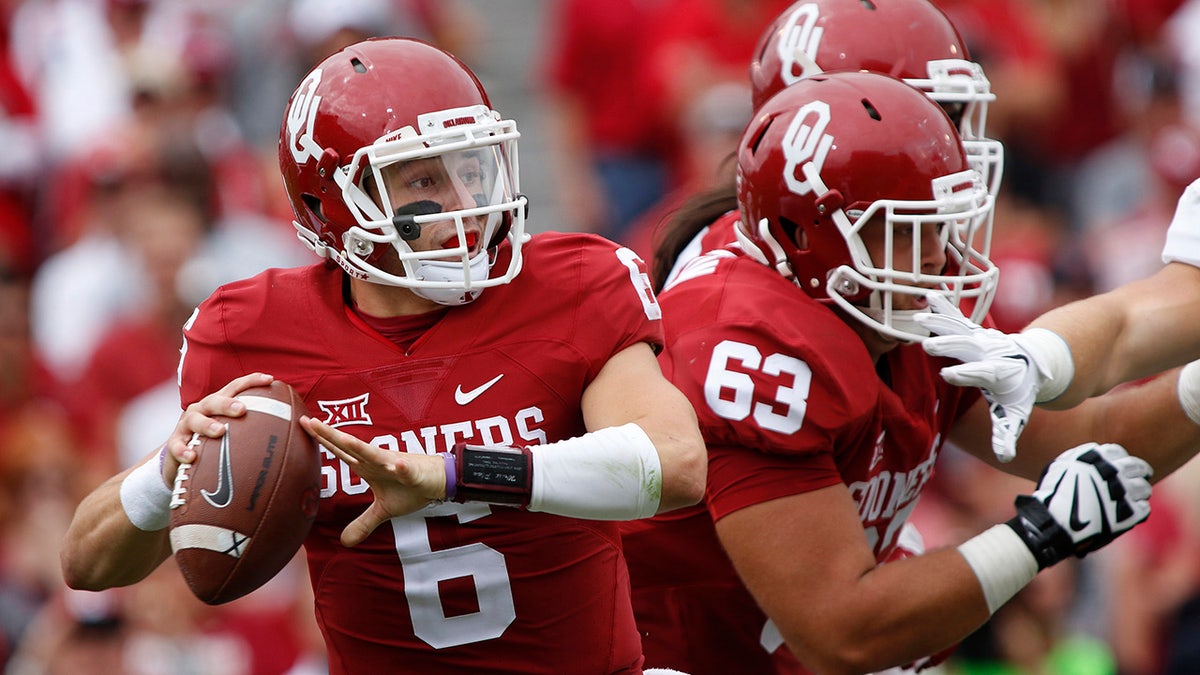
pixel 138 171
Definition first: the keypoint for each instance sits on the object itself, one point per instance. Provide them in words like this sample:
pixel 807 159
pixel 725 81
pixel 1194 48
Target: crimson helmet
pixel 369 119
pixel 911 40
pixel 838 152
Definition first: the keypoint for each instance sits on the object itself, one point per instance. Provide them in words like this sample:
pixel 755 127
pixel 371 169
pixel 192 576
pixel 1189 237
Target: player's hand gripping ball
pixel 241 511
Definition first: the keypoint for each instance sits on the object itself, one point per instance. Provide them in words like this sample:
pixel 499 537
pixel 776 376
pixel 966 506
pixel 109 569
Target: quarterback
pixel 488 404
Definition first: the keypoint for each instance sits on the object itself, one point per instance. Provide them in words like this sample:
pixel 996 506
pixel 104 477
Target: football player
pixel 824 417
pixel 491 399
pixel 909 39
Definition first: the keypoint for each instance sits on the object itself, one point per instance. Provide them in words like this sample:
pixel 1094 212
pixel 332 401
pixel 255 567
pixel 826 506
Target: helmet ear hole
pixel 313 203
pixel 796 233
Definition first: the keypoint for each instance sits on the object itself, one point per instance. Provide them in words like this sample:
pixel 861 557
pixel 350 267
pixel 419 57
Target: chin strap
pixel 310 240
pixel 437 270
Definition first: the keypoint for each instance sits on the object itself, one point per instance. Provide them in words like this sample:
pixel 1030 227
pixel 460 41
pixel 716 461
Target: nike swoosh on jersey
pixel 464 397
pixel 224 492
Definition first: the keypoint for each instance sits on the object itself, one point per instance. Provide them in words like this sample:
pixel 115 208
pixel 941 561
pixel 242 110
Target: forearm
pixel 1148 419
pixel 840 611
pixel 1151 422
pixel 102 547
pixel 807 564
pixel 612 473
pixel 631 389
pixel 900 612
pixel 1128 333
pixel 681 451
pixel 118 534
pixel 642 453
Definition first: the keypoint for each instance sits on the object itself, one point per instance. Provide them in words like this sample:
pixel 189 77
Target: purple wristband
pixel 451 475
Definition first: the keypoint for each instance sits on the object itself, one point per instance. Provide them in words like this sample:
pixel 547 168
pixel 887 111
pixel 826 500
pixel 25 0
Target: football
pixel 241 511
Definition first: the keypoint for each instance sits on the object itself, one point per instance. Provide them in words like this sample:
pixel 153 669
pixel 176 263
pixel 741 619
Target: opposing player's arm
pixel 631 389
pixel 1131 332
pixel 1146 419
pixel 807 563
pixel 1142 327
pixel 118 533
pixel 1085 348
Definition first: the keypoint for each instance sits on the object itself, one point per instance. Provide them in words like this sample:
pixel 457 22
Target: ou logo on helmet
pixel 301 117
pixel 800 35
pixel 804 142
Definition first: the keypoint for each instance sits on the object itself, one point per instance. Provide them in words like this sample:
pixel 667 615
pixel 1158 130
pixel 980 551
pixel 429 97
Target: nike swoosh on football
pixel 464 397
pixel 1076 524
pixel 224 492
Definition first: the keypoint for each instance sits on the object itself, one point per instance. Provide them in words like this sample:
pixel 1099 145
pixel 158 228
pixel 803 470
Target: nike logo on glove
pixel 1075 523
pixel 224 493
pixel 464 397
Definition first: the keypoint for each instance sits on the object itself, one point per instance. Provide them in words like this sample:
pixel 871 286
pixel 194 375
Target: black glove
pixel 1085 498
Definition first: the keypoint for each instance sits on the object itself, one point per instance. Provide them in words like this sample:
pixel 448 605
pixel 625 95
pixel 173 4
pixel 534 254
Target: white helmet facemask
pixel 962 89
pixel 453 182
pixel 961 211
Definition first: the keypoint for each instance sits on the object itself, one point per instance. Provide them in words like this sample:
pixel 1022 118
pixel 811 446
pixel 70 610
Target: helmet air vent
pixel 871 111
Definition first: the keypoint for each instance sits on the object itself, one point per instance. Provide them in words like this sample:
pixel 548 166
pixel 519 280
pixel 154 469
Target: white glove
pixel 1086 497
pixel 1013 370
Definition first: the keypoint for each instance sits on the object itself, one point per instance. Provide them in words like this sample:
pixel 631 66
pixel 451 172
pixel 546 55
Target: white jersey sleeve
pixel 1183 237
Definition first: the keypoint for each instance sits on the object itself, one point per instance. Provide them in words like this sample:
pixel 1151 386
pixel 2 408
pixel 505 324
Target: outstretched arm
pixel 1133 331
pixel 1147 419
pixel 1075 352
pixel 118 535
pixel 1140 328
pixel 642 454
pixel 806 561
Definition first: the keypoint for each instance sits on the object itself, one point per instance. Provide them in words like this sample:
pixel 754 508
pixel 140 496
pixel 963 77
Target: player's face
pixel 912 246
pixel 451 182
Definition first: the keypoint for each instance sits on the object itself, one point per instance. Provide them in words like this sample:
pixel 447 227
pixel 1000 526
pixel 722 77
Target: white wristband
pixel 1189 390
pixel 1002 563
pixel 608 474
pixel 145 497
pixel 1053 357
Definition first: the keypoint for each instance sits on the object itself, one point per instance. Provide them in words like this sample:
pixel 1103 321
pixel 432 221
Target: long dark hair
pixel 696 213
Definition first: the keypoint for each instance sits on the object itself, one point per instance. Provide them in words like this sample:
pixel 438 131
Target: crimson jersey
pixel 453 588
pixel 789 401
